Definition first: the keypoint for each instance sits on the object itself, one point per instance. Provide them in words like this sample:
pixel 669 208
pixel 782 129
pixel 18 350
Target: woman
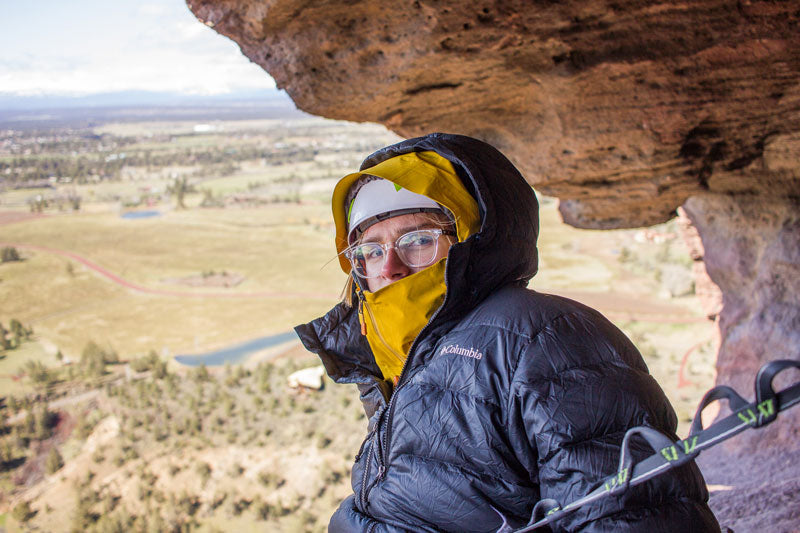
pixel 483 396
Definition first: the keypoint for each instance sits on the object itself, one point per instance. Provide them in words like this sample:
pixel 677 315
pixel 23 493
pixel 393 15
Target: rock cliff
pixel 623 109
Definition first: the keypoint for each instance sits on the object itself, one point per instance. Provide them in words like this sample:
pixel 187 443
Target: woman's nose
pixel 394 268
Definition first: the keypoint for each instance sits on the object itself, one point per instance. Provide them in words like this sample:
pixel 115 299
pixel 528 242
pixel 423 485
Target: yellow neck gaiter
pixel 394 315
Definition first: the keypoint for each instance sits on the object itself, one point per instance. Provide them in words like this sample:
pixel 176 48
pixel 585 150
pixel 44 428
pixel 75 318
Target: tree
pixel 209 200
pixel 200 374
pixel 37 372
pixel 150 362
pixel 75 201
pixel 17 331
pixel 5 343
pixel 6 453
pixel 94 359
pixel 9 254
pixel 22 512
pixel 53 462
pixel 44 419
pixel 179 188
pixel 82 515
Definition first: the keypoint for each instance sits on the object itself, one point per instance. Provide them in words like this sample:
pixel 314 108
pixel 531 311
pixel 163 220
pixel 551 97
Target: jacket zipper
pixel 383 455
pixel 363 444
pixel 363 493
pixel 375 437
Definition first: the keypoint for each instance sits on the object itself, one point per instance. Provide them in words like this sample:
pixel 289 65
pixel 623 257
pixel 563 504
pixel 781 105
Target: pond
pixel 237 353
pixel 140 214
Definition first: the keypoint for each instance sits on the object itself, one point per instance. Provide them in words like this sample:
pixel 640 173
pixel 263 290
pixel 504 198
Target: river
pixel 235 354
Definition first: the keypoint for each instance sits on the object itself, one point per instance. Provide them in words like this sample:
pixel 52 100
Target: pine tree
pixel 5 344
pixel 9 254
pixel 43 422
pixel 17 331
pixel 22 512
pixel 53 462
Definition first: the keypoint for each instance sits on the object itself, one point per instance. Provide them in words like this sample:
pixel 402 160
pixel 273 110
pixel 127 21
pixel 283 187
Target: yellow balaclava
pixel 393 316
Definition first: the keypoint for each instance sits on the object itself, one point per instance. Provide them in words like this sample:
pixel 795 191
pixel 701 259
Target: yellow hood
pixel 425 173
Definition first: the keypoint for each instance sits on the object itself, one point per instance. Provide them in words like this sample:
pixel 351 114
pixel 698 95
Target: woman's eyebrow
pixel 414 227
pixel 402 231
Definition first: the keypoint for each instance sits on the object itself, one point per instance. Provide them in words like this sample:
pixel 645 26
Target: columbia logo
pixel 466 352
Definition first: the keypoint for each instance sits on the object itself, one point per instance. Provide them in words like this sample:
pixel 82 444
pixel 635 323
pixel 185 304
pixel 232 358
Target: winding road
pixel 103 272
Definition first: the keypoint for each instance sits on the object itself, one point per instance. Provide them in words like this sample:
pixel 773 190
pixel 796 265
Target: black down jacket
pixel 508 395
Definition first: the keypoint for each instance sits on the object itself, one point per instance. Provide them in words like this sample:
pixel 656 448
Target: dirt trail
pixel 12 217
pixel 162 292
pixel 58 404
pixel 616 306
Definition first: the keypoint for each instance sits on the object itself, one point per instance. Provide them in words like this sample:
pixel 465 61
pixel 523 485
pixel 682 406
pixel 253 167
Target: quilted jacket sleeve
pixel 577 387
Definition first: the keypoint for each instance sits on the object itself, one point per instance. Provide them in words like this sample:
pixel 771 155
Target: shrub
pixel 204 471
pixel 19 331
pixel 218 499
pixel 263 510
pixel 37 372
pixel 200 374
pixel 9 254
pixel 94 358
pixel 150 362
pixel 236 470
pixel 239 505
pixel 82 515
pixel 53 462
pixel 187 504
pixel 83 426
pixel 22 512
pixel 44 420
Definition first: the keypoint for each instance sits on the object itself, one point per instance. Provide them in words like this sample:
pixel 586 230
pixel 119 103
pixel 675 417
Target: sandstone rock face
pixel 624 110
pixel 621 109
pixel 752 252
pixel 707 291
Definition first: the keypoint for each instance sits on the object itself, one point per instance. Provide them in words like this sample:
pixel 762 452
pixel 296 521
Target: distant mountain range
pixel 9 101
pixel 36 113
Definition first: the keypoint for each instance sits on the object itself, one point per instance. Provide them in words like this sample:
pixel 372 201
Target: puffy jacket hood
pixel 504 250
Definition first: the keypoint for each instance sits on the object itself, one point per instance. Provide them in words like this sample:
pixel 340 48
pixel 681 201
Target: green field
pixel 279 251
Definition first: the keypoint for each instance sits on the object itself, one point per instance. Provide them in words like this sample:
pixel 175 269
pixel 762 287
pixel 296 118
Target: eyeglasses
pixel 416 249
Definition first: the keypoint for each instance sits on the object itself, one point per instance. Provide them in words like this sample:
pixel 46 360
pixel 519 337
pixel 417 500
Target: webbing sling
pixel 671 454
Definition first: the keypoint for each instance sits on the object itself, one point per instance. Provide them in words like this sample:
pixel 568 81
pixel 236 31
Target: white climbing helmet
pixel 379 199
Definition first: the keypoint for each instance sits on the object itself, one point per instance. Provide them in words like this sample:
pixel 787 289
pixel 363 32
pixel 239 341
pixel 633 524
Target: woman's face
pixel 389 230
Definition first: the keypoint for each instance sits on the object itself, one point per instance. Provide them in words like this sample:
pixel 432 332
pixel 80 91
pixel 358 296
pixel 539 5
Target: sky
pixel 83 47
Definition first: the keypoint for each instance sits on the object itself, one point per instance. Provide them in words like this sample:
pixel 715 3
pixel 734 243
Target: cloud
pixel 120 45
pixel 151 9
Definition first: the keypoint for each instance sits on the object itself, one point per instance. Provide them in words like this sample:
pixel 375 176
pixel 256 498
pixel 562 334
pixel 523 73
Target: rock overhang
pixel 623 110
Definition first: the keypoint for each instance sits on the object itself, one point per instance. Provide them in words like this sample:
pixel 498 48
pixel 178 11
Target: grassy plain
pixel 278 250
pixel 277 459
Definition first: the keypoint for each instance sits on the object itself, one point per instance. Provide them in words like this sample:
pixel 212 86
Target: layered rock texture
pixel 624 110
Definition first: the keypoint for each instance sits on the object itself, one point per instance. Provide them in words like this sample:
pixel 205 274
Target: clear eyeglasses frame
pixel 415 249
